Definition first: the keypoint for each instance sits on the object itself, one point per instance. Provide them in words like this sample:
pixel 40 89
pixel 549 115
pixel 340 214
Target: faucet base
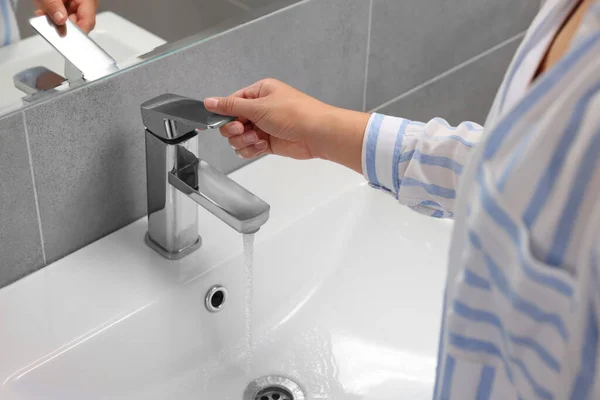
pixel 172 255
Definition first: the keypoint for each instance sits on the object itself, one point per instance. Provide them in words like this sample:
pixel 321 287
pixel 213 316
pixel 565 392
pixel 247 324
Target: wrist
pixel 340 135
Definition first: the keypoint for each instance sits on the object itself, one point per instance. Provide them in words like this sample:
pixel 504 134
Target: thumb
pixel 233 106
pixel 56 10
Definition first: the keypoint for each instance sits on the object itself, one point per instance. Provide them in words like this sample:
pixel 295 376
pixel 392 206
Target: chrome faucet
pixel 178 180
pixel 85 61
pixel 84 58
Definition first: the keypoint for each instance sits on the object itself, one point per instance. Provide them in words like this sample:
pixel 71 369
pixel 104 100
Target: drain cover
pixel 274 393
pixel 273 388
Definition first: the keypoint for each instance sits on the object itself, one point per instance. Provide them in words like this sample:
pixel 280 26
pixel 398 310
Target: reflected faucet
pixel 178 180
pixel 85 61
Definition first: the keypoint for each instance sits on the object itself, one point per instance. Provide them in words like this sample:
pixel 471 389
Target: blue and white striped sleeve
pixel 418 163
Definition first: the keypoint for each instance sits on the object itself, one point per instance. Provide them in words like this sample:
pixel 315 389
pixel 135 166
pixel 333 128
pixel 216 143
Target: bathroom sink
pixel 122 39
pixel 347 293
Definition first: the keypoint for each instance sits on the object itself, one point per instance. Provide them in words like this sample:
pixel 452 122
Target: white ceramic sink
pixel 122 39
pixel 347 301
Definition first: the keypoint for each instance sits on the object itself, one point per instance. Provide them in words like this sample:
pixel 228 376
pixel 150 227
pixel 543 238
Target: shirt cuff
pixel 382 148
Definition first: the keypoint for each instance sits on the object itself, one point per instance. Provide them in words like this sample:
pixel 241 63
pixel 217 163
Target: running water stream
pixel 249 259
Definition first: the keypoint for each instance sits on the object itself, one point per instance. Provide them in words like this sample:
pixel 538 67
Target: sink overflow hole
pixel 216 298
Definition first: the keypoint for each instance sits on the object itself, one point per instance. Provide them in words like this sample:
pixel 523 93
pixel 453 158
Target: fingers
pixel 80 12
pixel 250 144
pixel 254 91
pixel 234 106
pixel 86 15
pixel 55 9
pixel 244 140
pixel 253 151
pixel 241 104
pixel 234 128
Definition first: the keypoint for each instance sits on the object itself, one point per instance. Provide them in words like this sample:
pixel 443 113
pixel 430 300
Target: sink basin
pixel 347 295
pixel 122 39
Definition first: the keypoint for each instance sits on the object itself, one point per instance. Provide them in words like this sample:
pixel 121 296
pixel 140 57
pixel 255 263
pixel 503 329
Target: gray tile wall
pixel 465 94
pixel 20 244
pixel 87 146
pixel 414 41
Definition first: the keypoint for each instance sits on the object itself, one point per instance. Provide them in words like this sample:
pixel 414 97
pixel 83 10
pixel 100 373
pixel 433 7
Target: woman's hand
pixel 81 12
pixel 278 119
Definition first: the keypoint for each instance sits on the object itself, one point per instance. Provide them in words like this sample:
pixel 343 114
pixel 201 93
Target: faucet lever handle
pixel 169 116
pixel 76 47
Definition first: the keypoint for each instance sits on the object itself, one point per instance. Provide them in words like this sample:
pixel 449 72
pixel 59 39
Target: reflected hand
pixel 81 12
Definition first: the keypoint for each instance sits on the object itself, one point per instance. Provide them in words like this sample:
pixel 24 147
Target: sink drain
pixel 273 388
pixel 274 393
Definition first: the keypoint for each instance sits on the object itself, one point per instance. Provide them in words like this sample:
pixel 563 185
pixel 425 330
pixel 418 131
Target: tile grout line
pixel 369 29
pixel 450 71
pixel 35 195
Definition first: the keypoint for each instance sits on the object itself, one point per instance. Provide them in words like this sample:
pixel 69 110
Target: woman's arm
pixel 420 164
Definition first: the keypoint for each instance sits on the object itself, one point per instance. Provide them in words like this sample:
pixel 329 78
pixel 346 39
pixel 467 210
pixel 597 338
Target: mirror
pixel 130 31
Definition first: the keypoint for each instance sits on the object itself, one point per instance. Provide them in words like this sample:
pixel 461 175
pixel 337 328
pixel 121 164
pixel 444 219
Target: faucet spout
pixel 223 197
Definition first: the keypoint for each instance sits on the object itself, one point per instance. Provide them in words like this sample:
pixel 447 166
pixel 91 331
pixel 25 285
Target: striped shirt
pixel 9 30
pixel 521 311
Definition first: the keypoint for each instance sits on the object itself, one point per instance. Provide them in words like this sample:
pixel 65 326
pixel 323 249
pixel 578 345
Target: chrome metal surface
pixel 210 299
pixel 33 80
pixel 175 174
pixel 170 116
pixel 172 217
pixel 273 388
pixel 224 198
pixel 40 83
pixel 172 255
pixel 76 47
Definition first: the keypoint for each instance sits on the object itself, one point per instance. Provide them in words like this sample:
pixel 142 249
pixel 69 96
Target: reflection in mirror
pixel 128 30
pixel 33 80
